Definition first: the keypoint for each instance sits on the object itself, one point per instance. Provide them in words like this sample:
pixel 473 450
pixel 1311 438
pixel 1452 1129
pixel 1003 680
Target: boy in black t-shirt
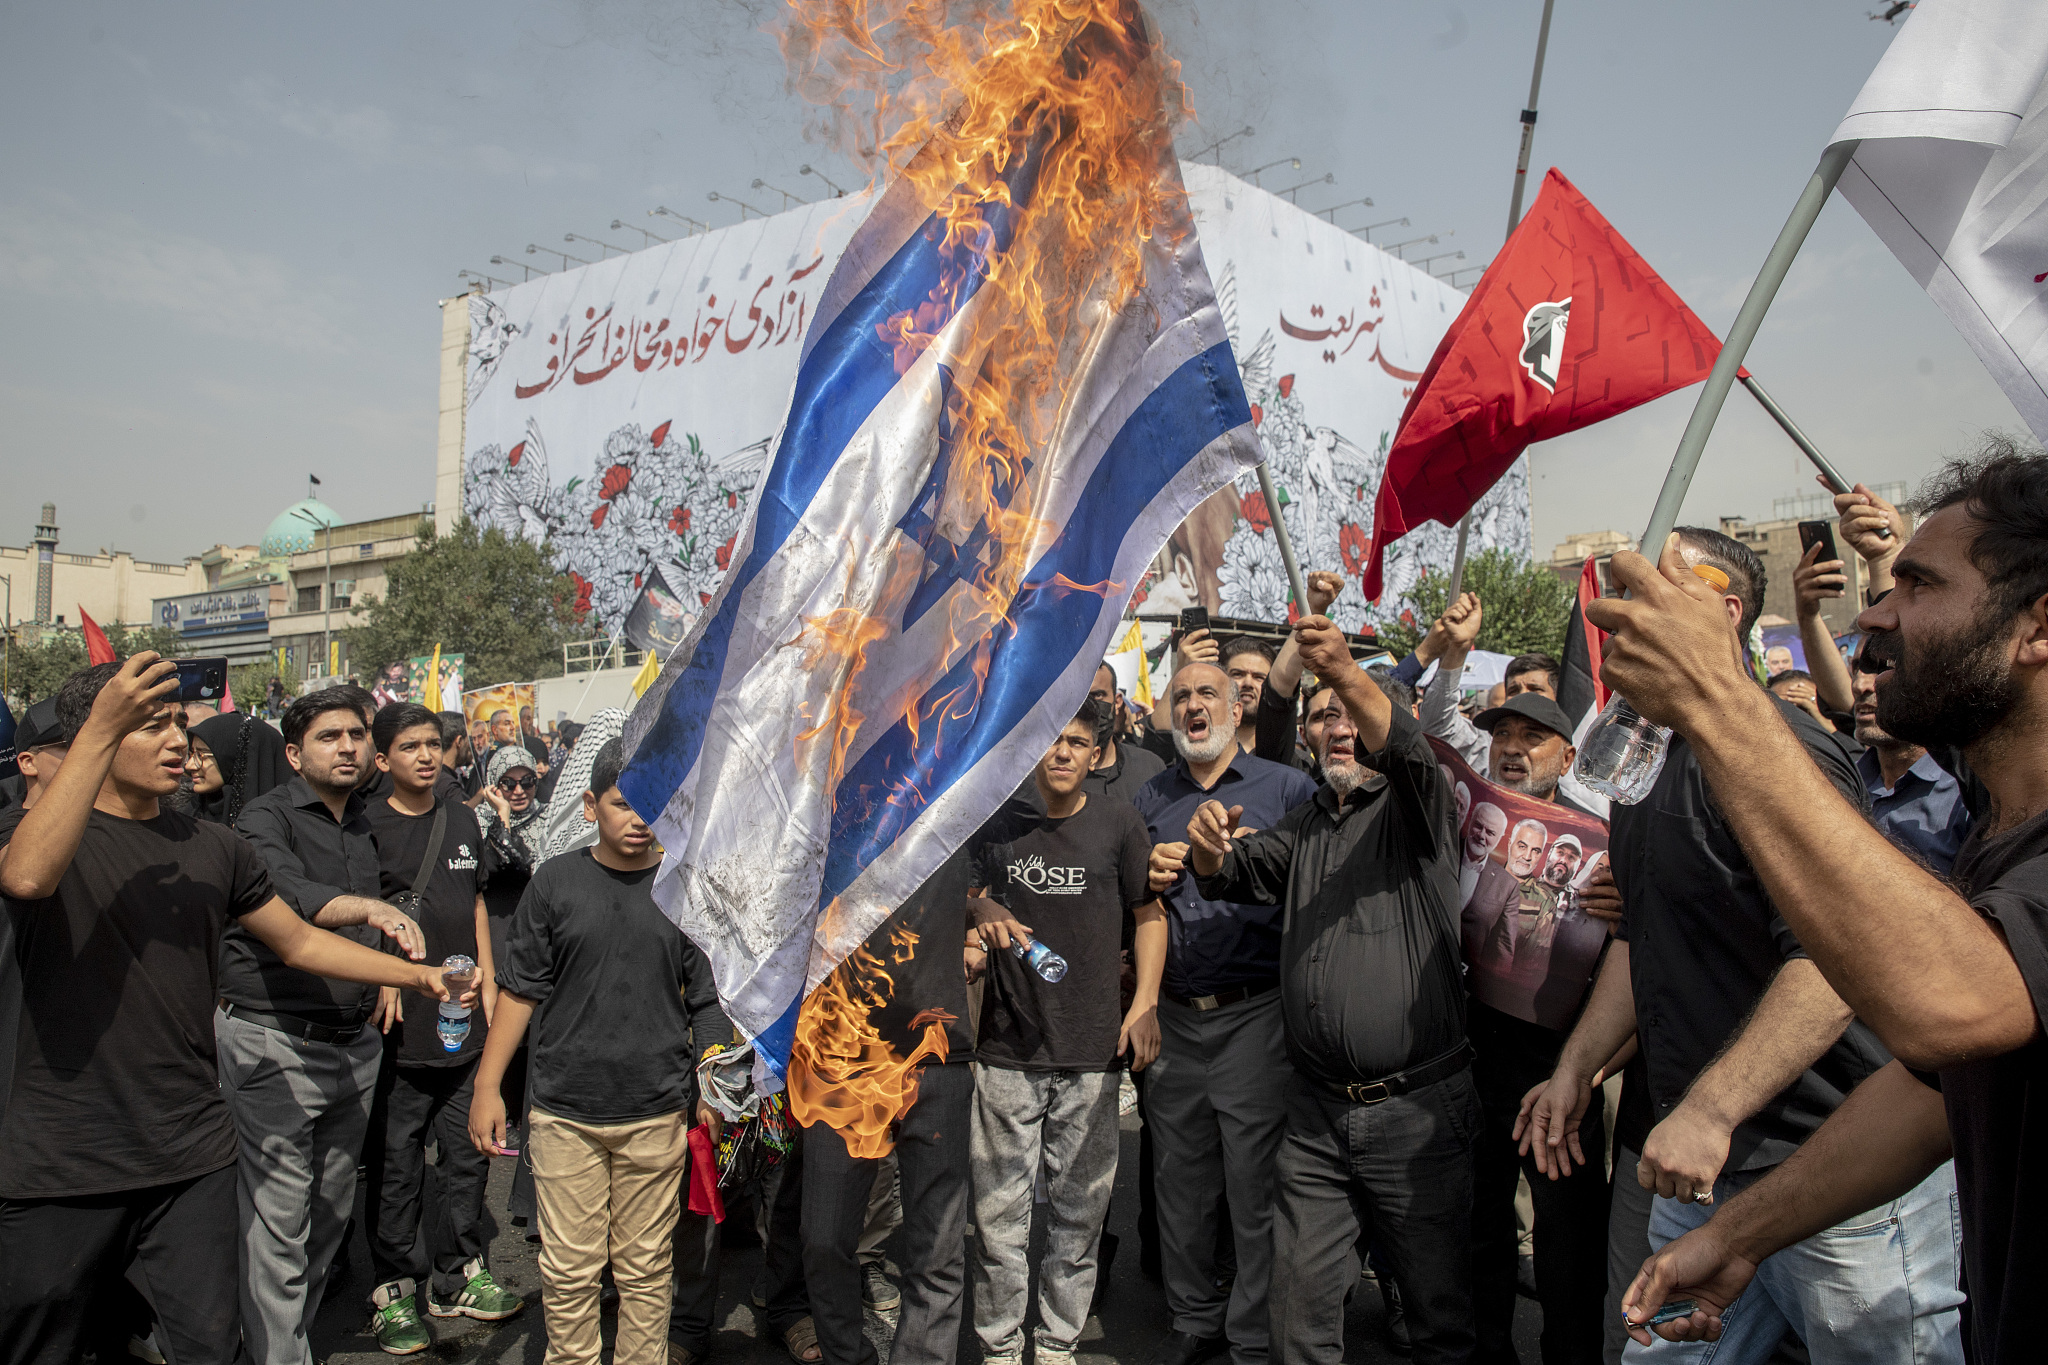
pixel 626 1006
pixel 423 1090
pixel 1050 1053
pixel 118 1144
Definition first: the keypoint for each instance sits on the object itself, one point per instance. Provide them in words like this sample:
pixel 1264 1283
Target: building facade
pixel 46 584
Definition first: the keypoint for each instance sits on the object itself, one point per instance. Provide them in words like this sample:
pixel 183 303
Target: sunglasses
pixel 518 784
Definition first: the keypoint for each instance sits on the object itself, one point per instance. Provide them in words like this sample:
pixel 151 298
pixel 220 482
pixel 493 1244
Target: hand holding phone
pixel 1821 533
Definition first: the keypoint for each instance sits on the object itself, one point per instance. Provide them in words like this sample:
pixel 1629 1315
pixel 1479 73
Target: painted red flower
pixel 660 435
pixel 732 499
pixel 679 520
pixel 1287 386
pixel 597 517
pixel 582 592
pixel 1252 507
pixel 1258 414
pixel 1408 617
pixel 1353 545
pixel 615 480
pixel 636 580
pixel 517 451
pixel 725 553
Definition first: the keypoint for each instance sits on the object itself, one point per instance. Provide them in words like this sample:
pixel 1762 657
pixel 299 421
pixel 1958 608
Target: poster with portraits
pixel 497 715
pixel 1530 947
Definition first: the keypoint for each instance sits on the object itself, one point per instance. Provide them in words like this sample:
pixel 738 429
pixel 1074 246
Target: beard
pixel 1950 690
pixel 1537 784
pixel 1205 751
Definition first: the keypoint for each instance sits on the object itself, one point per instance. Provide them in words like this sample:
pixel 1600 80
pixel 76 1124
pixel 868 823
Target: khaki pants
pixel 607 1192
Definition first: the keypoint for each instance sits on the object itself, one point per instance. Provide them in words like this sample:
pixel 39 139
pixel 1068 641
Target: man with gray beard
pixel 1216 1099
pixel 1381 1110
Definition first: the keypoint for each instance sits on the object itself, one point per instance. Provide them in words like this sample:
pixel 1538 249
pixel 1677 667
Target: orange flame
pixel 841 1070
pixel 957 97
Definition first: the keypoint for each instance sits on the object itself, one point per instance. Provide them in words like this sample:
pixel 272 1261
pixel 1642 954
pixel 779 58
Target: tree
pixel 490 597
pixel 1526 606
pixel 36 671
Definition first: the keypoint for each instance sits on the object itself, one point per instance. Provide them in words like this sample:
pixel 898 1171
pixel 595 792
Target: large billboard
pixel 623 410
pixel 203 614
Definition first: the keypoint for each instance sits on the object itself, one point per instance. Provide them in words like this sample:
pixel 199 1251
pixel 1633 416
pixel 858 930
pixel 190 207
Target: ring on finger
pixel 1702 1196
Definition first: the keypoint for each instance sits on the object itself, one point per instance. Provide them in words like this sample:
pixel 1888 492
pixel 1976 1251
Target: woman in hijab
pixel 235 758
pixel 513 820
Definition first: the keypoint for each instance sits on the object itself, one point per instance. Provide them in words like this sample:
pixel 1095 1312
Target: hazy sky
pixel 224 228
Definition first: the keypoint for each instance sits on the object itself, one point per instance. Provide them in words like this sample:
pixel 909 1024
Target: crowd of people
pixel 1783 1105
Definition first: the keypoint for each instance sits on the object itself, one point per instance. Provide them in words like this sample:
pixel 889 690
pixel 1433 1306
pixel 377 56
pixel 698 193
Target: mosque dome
pixel 291 531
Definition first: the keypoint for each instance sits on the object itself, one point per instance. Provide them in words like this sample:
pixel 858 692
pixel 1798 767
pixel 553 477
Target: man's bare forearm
pixel 346 911
pixel 1370 710
pixel 1148 953
pixel 507 1031
pixel 1824 661
pixel 1793 1025
pixel 1914 961
pixel 46 840
pixel 1608 1022
pixel 1884 1139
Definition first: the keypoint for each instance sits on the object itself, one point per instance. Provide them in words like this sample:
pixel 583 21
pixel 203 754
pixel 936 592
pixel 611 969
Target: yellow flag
pixel 650 669
pixel 1133 643
pixel 434 680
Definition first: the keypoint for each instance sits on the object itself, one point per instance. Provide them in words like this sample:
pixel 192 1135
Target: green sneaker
pixel 481 1297
pixel 395 1320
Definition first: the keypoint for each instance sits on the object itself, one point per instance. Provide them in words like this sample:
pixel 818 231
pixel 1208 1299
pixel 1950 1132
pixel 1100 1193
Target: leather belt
pixel 1220 999
pixel 1401 1082
pixel 292 1024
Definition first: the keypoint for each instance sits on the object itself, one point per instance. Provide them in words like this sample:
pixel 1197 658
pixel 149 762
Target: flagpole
pixel 1280 538
pixel 1514 220
pixel 1693 444
pixel 1791 429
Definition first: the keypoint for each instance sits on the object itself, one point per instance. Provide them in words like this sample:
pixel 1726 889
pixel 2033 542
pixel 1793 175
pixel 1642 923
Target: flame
pixel 841 1070
pixel 1040 133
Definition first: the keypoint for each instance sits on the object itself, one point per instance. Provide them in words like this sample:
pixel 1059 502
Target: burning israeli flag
pixel 1016 385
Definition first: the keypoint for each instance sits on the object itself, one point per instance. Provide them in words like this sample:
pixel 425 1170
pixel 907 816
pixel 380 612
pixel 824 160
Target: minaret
pixel 46 560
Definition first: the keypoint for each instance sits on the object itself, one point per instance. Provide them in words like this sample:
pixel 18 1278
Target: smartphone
pixel 1821 533
pixel 1193 619
pixel 1670 1312
pixel 202 680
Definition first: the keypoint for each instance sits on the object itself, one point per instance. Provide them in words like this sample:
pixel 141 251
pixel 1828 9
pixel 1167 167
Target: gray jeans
pixel 301 1110
pixel 1069 1120
pixel 1216 1102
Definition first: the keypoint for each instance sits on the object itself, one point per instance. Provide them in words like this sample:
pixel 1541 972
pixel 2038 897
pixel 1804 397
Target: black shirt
pixel 110 1084
pixel 1998 1110
pixel 931 973
pixel 1705 942
pixel 1074 881
pixel 1215 946
pixel 1370 977
pixel 627 1003
pixel 446 915
pixel 1278 732
pixel 312 859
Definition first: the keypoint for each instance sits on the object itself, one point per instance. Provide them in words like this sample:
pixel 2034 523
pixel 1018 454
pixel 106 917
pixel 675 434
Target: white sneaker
pixel 145 1349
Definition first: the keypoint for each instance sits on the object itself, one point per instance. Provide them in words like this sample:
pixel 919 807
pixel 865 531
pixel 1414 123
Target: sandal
pixel 801 1340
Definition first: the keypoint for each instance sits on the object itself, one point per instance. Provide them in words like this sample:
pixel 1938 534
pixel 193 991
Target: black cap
pixel 1531 706
pixel 38 726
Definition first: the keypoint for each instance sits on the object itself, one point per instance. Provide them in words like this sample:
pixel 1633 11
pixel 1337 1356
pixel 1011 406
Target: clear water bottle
pixel 1038 957
pixel 1623 753
pixel 459 974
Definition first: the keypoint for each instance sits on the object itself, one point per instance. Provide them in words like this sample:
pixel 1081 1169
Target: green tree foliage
pixel 1526 606
pixel 490 597
pixel 37 670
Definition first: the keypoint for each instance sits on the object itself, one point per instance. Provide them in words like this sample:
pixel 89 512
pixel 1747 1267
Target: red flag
pixel 97 650
pixel 1567 327
pixel 227 698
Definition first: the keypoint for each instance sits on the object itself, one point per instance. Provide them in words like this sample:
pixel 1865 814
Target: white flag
pixel 1952 175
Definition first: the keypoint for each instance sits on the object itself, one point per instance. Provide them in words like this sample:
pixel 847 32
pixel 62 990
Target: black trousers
pixel 693 1305
pixel 419 1227
pixel 932 1166
pixel 1400 1171
pixel 57 1256
pixel 1571 1214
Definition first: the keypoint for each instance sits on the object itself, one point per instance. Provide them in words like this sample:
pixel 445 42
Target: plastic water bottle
pixel 458 973
pixel 1623 753
pixel 1038 957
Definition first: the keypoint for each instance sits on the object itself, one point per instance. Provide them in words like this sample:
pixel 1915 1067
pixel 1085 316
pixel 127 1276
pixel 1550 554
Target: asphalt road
pixel 1128 1331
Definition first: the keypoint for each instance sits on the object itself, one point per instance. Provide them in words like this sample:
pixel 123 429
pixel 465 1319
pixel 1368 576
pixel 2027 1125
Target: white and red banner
pixel 622 410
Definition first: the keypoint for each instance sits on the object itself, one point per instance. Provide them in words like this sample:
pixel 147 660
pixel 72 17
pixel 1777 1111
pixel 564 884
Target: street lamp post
pixel 7 640
pixel 326 588
pixel 1366 231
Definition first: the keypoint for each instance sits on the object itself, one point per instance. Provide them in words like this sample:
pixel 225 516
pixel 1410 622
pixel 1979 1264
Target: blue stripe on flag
pixel 900 775
pixel 845 378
